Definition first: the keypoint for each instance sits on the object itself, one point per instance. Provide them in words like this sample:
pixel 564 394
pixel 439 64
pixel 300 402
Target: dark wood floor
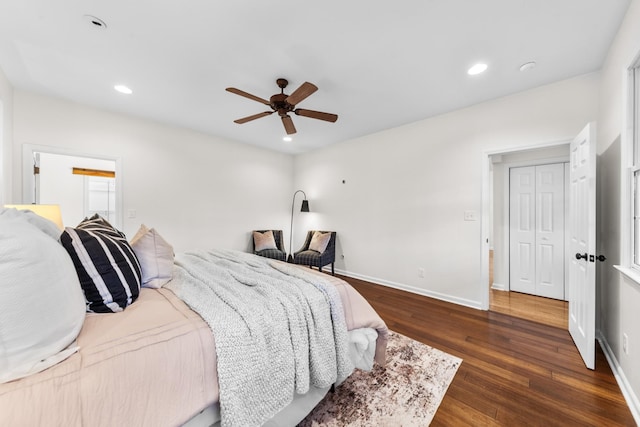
pixel 515 372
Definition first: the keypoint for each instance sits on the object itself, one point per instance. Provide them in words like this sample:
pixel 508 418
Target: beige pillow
pixel 319 241
pixel 155 256
pixel 264 241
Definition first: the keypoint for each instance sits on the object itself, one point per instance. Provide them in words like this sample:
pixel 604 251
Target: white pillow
pixel 42 306
pixel 263 241
pixel 155 256
pixel 319 241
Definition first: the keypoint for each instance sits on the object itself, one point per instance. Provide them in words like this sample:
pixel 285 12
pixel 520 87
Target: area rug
pixel 407 392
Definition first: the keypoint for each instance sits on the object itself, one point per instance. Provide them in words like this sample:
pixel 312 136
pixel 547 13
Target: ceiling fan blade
pixel 327 117
pixel 288 125
pixel 247 95
pixel 255 116
pixel 301 93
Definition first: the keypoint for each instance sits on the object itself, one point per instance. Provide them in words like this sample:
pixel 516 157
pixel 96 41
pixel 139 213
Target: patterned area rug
pixel 407 392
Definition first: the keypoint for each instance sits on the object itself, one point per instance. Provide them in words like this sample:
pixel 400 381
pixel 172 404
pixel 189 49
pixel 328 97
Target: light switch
pixel 470 216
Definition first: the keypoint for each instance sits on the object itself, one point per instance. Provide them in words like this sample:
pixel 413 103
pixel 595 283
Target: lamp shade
pixel 50 212
pixel 305 206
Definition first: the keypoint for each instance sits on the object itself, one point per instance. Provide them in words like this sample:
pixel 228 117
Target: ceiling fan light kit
pixel 284 104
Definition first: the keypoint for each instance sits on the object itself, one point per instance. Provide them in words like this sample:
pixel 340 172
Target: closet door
pixel 536 230
pixel 522 233
pixel 550 231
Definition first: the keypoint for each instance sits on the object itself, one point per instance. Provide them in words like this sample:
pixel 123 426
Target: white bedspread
pixel 278 329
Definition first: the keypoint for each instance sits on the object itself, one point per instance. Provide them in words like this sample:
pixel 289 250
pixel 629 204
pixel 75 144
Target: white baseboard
pixel 499 287
pixel 443 297
pixel 618 373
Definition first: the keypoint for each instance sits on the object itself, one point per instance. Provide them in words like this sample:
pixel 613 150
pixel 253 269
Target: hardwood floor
pixel 547 311
pixel 514 372
pixel 539 309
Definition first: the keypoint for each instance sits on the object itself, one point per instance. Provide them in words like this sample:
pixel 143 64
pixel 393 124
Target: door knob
pixel 584 255
pixel 601 258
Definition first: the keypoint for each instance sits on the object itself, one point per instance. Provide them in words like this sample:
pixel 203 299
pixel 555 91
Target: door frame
pixel 486 210
pixel 28 151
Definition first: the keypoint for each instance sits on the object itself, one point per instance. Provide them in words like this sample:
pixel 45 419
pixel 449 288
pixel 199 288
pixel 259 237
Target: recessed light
pixel 527 66
pixel 287 139
pixel 95 22
pixel 477 69
pixel 123 89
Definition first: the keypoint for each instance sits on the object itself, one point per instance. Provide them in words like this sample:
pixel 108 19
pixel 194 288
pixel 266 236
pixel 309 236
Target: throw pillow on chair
pixel 264 241
pixel 319 241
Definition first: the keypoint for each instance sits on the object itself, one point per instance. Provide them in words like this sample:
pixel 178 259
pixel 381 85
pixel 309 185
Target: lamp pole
pixel 303 208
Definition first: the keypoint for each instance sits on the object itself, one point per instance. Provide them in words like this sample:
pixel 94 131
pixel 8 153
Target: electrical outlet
pixel 421 272
pixel 625 344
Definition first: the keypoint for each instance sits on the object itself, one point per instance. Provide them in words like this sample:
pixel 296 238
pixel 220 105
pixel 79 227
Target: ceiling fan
pixel 284 104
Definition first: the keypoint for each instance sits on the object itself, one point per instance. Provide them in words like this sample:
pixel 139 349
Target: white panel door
pixel 522 229
pixel 550 231
pixel 536 230
pixel 582 229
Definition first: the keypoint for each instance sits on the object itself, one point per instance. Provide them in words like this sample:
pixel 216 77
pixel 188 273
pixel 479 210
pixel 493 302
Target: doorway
pixel 501 297
pixel 82 184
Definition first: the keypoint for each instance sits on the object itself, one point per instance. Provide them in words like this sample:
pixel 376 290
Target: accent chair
pixel 278 252
pixel 306 255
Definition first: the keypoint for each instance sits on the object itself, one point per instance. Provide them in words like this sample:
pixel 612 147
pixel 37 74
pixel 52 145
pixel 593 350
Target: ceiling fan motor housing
pixel 278 103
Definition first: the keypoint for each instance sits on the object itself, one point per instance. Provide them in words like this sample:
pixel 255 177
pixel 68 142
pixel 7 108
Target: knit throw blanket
pixel 278 329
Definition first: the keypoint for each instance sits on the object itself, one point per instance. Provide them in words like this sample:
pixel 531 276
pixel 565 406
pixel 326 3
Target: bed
pixel 157 362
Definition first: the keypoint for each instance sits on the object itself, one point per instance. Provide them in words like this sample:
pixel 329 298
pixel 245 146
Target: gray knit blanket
pixel 278 329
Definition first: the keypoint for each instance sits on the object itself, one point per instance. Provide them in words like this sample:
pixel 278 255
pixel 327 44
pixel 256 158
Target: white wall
pixel 198 191
pixel 6 122
pixel 619 296
pixel 407 188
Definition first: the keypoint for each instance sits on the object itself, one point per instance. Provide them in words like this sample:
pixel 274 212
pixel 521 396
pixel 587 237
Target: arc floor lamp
pixel 303 208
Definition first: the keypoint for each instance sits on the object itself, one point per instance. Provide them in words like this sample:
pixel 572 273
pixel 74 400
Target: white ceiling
pixel 378 64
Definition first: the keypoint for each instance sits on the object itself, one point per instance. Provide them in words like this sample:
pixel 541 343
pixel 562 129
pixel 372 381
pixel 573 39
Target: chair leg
pixel 333 273
pixel 320 269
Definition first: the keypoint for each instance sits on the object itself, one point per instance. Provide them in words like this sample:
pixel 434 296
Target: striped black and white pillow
pixel 107 267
